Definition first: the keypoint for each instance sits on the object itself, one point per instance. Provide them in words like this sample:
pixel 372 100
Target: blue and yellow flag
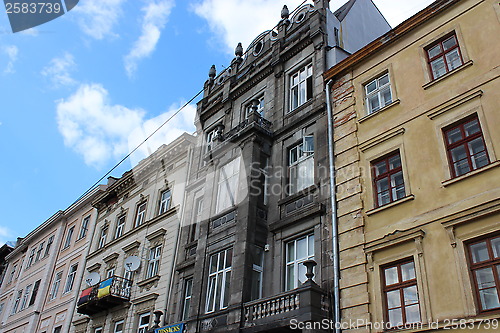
pixel 104 288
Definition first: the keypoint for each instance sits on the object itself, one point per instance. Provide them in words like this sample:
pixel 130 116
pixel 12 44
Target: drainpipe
pixel 335 247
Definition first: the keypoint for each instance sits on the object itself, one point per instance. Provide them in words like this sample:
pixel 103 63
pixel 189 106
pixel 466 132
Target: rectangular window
pixel 193 231
pixel 484 258
pixel 17 300
pixel 34 293
pixel 228 185
pixel 119 326
pixel 31 258
pixel 219 280
pixel 153 262
pixel 301 165
pixel 140 214
pixel 70 280
pixel 26 296
pixel 120 226
pixel 444 56
pixel 102 238
pixel 378 93
pixel 257 272
pixel 298 251
pixel 55 285
pixel 84 227
pixel 258 102
pixel 98 330
pixel 301 87
pixel 1 308
pixel 186 302
pixel 210 139
pixel 110 272
pixel 165 201
pixel 39 251
pixel 388 181
pixel 49 244
pixel 143 323
pixel 12 273
pixel 58 329
pixel 401 294
pixel 67 242
pixel 465 147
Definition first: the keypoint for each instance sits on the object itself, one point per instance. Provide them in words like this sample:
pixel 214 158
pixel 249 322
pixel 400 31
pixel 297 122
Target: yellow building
pixel 416 139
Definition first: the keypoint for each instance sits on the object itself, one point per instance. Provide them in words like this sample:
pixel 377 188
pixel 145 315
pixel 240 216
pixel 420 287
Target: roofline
pixel 390 37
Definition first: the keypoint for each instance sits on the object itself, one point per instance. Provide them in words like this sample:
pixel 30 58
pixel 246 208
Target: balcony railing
pixel 104 295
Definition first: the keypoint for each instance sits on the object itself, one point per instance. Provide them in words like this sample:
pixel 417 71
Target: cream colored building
pixel 138 217
pixel 416 119
pixel 29 300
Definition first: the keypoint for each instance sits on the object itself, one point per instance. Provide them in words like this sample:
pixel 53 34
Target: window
pixel 186 302
pixel 102 238
pixel 67 242
pixel 84 227
pixel 58 329
pixel 119 326
pixel 165 201
pixel 31 257
pixel 143 323
pixel 388 182
pixel 219 280
pixel 34 293
pixel 465 147
pixel 259 103
pixel 301 87
pixel 301 165
pixel 12 273
pixel 228 185
pixel 49 244
pixel 257 270
pixel 26 296
pixel 98 329
pixel 193 232
pixel 153 262
pixel 110 272
pixel 39 251
pixel 400 294
pixel 70 280
pixel 120 226
pixel 16 301
pixel 298 251
pixel 378 93
pixel 55 285
pixel 484 257
pixel 210 139
pixel 444 56
pixel 140 214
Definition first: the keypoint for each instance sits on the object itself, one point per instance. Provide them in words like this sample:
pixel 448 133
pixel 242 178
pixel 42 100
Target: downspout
pixel 333 201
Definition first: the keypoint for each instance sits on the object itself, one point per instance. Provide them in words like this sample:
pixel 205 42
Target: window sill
pixel 300 107
pixel 373 114
pixel 470 174
pixel 392 204
pixel 435 81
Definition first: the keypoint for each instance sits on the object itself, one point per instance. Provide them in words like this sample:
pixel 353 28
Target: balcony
pixel 305 304
pixel 104 295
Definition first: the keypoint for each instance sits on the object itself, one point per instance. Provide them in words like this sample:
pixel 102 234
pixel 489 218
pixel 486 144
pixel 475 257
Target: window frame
pixel 143 328
pixel 140 214
pixel 154 259
pixel 118 322
pixel 303 156
pixel 55 285
pixel 31 257
pixel 69 235
pixel 307 81
pixel 102 238
pixel 17 301
pixel 120 225
pixel 378 92
pixel 297 261
pixel 84 227
pixel 224 184
pixel 187 295
pixel 26 296
pixel 50 241
pixel 387 175
pixel 443 54
pixel 164 205
pixel 34 293
pixel 70 278
pixel 39 251
pixel 464 142
pixel 224 275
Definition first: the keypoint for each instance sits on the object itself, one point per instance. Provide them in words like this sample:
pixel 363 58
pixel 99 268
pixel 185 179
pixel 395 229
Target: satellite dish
pixel 132 263
pixel 93 278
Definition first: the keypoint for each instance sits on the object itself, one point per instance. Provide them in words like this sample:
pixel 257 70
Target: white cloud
pixel 5 235
pixel 396 11
pixel 241 21
pixel 155 17
pixel 11 51
pixel 101 131
pixel 30 32
pixel 98 17
pixel 58 70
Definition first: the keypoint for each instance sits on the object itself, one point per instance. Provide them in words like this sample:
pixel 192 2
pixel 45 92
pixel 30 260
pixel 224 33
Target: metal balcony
pixel 104 295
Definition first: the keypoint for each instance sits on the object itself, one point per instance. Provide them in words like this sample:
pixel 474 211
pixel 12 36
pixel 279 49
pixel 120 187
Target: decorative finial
pixel 285 13
pixel 212 72
pixel 239 50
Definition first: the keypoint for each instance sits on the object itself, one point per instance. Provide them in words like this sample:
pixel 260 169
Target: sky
pixel 78 93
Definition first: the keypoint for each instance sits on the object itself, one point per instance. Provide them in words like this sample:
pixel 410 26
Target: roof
pixel 342 12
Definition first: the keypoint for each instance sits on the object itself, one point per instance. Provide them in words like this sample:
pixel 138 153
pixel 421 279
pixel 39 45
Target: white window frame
pixel 69 235
pixel 122 322
pixel 39 251
pixel 378 93
pixel 70 279
pixel 140 214
pixel 258 268
pixel 110 272
pixel 31 257
pixel 210 139
pixel 120 226
pixel 165 201
pixel 98 329
pixel 300 158
pixel 224 276
pixel 153 261
pixel 301 86
pixel 12 273
pixel 49 244
pixel 26 296
pixel 296 262
pixel 143 328
pixel 227 189
pixel 84 227
pixel 186 300
pixel 55 285
pixel 102 237
pixel 17 300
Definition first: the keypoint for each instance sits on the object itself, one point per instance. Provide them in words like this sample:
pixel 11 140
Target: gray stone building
pixel 255 252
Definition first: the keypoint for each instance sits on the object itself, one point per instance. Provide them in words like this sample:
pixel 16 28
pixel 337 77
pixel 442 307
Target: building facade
pixel 255 252
pixel 416 158
pixel 129 266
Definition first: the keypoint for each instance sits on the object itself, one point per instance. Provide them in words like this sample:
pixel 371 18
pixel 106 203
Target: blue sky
pixel 79 92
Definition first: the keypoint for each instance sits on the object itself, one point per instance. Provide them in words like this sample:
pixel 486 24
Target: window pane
pixel 413 314
pixel 408 271
pixel 290 274
pixel 479 252
pixel 398 186
pixel 395 317
pixel 370 87
pixel 395 162
pixel 386 96
pixel 458 153
pixel 373 103
pixel 311 245
pixel 485 278
pixel 438 67
pixel 461 167
pixel 229 257
pixel 383 198
pixel 489 298
pixel 380 168
pixel 472 127
pixel 213 263
pixel 383 80
pixel 495 244
pixel 453 59
pixel 476 146
pixel 393 299
pixel 480 160
pixel 291 251
pixel 454 135
pixel 449 43
pixel 227 283
pixel 434 51
pixel 302 248
pixel 382 185
pixel 302 273
pixel 410 295
pixel 391 276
